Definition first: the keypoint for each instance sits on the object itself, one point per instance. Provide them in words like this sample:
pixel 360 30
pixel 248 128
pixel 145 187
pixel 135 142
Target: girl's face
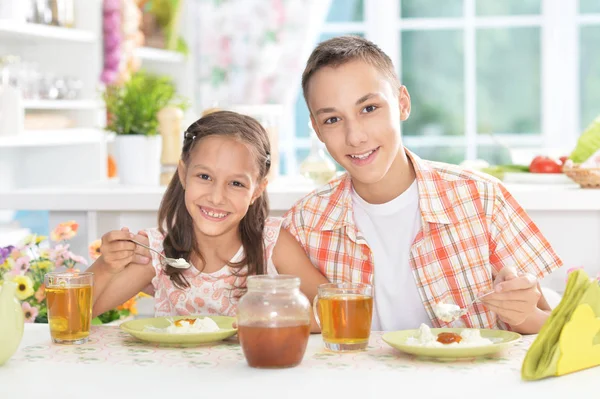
pixel 220 182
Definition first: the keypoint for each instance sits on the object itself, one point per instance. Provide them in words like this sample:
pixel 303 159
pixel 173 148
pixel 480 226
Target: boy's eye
pixel 331 120
pixel 369 108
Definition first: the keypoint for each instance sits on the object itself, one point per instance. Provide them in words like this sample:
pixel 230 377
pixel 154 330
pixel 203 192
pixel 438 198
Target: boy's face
pixel 356 114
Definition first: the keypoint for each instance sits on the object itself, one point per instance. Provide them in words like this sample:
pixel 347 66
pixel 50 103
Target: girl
pixel 214 215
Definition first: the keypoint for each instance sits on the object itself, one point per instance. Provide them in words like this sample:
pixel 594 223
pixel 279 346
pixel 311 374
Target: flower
pixel 24 287
pixel 5 253
pixel 76 258
pixel 34 239
pixel 30 312
pixel 21 265
pixel 42 265
pixel 40 294
pixel 27 265
pixel 129 305
pixel 64 231
pixel 94 249
pixel 8 264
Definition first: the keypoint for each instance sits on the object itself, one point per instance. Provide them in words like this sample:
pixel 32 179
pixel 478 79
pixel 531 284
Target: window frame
pixel 559 22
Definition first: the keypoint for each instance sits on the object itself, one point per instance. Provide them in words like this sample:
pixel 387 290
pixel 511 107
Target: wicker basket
pixel 585 177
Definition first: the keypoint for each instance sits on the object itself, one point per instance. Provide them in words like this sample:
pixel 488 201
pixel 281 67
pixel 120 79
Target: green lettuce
pixel 588 143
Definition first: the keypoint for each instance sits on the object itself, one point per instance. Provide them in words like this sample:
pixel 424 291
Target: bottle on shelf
pixel 317 166
pixel 169 125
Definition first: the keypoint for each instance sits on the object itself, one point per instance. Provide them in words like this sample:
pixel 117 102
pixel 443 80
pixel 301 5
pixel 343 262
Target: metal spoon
pixel 449 312
pixel 179 263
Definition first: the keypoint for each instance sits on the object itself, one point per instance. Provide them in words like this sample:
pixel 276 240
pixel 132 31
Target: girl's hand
pixel 118 252
pixel 515 298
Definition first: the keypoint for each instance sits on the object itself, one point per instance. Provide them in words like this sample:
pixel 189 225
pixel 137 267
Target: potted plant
pixel 132 114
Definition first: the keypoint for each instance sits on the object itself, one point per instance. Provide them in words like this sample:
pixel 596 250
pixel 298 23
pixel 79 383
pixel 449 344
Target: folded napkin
pixel 569 341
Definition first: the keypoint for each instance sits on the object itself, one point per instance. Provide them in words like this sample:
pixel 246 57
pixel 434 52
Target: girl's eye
pixel 369 108
pixel 204 176
pixel 237 184
pixel 332 120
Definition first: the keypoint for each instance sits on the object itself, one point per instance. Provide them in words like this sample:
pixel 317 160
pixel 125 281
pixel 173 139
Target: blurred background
pixel 494 80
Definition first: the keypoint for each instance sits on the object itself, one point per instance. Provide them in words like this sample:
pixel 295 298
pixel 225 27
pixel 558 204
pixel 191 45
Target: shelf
pixel 26 31
pixel 63 104
pixel 51 138
pixel 158 55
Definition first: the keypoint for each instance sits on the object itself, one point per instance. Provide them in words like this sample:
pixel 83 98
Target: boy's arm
pixel 519 256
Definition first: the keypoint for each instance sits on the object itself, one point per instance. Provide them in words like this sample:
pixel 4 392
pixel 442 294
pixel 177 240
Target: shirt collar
pixel 436 197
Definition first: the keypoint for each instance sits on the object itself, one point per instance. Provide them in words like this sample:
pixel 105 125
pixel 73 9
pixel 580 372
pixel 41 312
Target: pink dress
pixel 209 293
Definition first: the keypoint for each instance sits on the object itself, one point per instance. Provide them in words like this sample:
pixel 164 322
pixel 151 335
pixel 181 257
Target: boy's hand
pixel 515 298
pixel 118 252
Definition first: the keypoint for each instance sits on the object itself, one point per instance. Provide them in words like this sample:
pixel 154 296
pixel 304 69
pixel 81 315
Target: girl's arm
pixel 290 258
pixel 121 286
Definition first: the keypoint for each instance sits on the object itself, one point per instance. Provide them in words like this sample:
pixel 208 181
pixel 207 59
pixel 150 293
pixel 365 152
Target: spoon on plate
pixel 448 312
pixel 178 263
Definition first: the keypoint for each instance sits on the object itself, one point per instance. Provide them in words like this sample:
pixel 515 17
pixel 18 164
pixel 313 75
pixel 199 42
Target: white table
pixel 115 365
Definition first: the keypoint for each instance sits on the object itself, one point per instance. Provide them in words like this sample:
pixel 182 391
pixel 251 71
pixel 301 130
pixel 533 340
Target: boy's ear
pixel 181 173
pixel 404 102
pixel 315 127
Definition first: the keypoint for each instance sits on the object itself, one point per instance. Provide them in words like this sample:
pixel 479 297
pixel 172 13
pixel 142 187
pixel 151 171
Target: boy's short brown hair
pixel 342 49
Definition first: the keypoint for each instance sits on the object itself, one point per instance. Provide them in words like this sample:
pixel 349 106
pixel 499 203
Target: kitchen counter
pixel 566 214
pixel 283 194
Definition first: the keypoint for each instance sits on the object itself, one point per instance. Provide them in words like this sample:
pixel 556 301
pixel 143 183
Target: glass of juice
pixel 344 312
pixel 69 299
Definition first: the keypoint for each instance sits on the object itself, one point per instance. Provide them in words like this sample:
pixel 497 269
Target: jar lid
pixel 273 283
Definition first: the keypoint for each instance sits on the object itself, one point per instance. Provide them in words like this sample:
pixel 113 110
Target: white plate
pixel 537 178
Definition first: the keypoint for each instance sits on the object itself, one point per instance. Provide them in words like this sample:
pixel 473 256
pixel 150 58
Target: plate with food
pixel 182 329
pixel 451 343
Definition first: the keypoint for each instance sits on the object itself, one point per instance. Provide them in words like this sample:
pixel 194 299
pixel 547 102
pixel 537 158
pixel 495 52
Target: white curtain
pixel 253 51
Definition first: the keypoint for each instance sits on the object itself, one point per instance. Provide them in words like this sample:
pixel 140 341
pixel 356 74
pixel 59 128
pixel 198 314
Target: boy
pixel 421 232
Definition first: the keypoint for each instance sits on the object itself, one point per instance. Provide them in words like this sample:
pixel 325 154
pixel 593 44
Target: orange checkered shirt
pixel 472 228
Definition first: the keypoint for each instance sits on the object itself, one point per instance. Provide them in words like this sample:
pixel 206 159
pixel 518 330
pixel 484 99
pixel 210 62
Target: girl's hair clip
pixel 268 159
pixel 189 136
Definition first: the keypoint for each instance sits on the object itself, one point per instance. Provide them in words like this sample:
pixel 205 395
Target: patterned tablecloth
pixel 115 364
pixel 111 346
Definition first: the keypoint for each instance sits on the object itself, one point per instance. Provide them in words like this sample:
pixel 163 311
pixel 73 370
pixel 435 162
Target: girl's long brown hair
pixel 176 224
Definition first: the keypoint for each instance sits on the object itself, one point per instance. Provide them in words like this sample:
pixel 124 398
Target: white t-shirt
pixel 390 230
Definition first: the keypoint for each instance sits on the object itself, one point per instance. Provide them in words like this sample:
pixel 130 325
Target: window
pixel 485 76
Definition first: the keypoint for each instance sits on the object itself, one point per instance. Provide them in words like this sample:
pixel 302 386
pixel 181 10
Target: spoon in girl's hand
pixel 178 263
pixel 448 312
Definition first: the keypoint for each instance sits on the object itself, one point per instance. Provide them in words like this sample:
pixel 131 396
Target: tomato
pixel 541 164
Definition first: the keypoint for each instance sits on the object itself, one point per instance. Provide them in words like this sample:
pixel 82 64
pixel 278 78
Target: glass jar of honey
pixel 273 320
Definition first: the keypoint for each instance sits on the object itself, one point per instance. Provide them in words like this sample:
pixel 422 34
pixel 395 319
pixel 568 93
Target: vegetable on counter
pixel 588 143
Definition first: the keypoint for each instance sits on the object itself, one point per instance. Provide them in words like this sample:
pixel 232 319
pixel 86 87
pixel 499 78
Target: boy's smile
pixel 356 112
pixel 365 158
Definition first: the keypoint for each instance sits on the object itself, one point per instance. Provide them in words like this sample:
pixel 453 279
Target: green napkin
pixel 566 341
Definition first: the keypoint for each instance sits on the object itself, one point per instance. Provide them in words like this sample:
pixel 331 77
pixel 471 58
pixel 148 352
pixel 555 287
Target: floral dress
pixel 209 293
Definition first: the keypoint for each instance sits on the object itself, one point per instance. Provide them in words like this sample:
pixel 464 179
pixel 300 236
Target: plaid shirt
pixel 472 228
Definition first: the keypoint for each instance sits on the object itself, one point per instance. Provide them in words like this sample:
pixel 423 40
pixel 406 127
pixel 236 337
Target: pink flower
pixel 64 231
pixel 30 312
pixel 22 263
pixel 59 254
pixel 77 258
